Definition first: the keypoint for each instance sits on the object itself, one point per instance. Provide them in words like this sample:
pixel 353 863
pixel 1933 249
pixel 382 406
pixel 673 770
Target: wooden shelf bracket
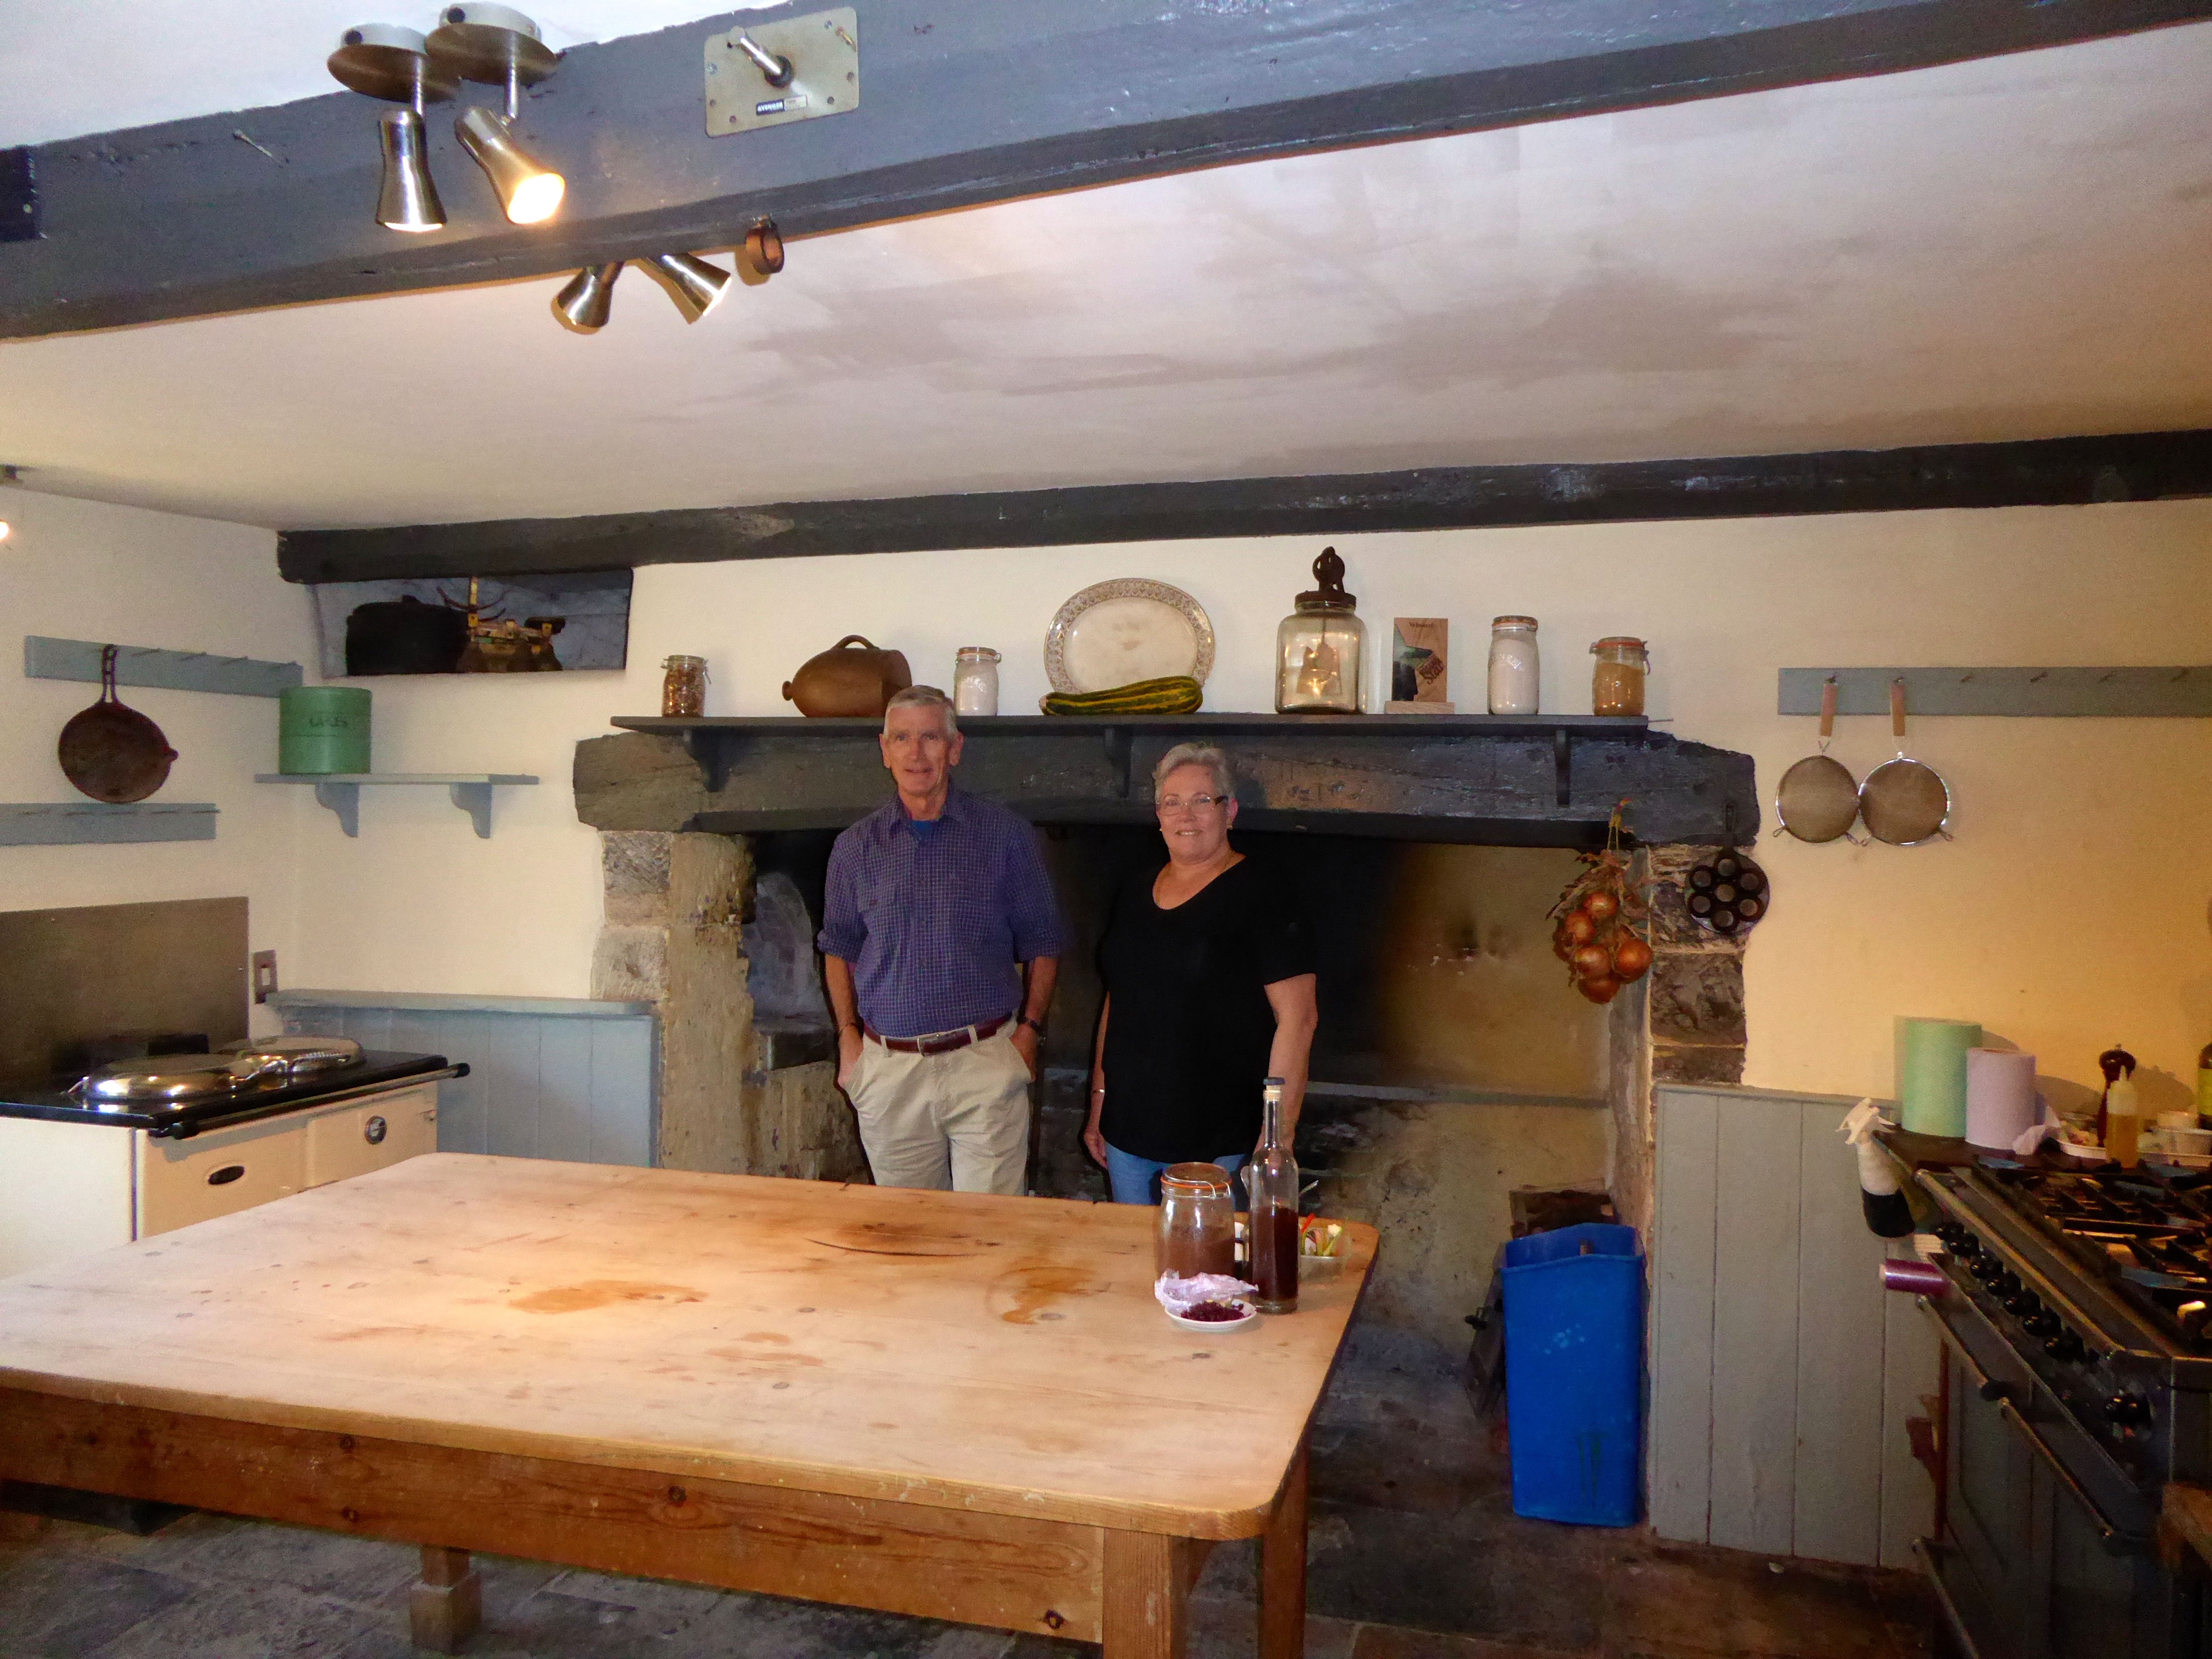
pixel 341 791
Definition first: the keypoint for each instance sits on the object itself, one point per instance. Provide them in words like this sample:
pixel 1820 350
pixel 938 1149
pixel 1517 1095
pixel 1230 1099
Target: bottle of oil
pixel 1271 1181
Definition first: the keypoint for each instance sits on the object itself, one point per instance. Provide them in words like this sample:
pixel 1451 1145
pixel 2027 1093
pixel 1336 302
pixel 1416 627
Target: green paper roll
pixel 1931 1073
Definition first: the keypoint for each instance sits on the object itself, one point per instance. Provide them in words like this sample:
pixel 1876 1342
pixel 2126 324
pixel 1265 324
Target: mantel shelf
pixel 1541 780
pixel 341 790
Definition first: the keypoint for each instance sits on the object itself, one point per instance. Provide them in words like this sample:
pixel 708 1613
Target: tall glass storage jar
pixel 975 680
pixel 1321 649
pixel 1617 682
pixel 1513 666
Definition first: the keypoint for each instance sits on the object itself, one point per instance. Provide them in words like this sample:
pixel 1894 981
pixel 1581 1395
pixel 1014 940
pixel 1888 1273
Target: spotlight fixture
pixel 497 45
pixel 696 286
pixel 394 65
pixel 588 298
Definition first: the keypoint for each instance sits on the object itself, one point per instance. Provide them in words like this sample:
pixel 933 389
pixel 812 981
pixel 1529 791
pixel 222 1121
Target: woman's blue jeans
pixel 1137 1180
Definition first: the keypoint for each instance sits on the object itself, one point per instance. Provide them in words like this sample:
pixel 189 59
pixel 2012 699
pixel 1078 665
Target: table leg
pixel 1283 1569
pixel 444 1609
pixel 1146 1611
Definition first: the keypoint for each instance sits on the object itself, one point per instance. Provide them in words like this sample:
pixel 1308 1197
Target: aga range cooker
pixel 2078 1359
pixel 146 1145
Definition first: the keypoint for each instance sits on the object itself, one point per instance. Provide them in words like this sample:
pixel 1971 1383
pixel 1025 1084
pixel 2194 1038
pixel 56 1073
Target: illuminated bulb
pixel 529 190
pixel 6 529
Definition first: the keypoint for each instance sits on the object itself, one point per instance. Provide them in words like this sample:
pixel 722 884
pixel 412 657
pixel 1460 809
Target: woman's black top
pixel 1188 1035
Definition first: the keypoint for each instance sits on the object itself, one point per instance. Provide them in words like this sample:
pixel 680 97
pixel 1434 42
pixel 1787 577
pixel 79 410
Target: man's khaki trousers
pixel 958 1120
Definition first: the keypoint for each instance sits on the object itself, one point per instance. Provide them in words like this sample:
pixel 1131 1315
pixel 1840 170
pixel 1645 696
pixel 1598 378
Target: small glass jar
pixel 1321 649
pixel 683 686
pixel 975 681
pixel 1513 667
pixel 1197 1229
pixel 1617 682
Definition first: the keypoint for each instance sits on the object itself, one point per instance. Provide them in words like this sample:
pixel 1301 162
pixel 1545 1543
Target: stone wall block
pixel 1696 1063
pixel 630 965
pixel 1696 997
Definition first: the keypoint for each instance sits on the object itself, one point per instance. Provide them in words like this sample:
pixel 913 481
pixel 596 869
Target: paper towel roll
pixel 2001 1102
pixel 1931 1073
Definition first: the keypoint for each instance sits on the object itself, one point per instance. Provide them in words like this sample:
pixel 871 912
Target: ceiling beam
pixel 971 102
pixel 2044 472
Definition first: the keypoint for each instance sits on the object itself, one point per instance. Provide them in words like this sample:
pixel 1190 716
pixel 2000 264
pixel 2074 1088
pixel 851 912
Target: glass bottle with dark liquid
pixel 1271 1181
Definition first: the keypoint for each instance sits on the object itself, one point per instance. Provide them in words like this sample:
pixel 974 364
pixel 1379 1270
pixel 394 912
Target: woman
pixel 1209 992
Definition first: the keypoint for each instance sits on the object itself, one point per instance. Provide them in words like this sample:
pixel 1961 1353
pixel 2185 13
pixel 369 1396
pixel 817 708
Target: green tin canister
pixel 322 729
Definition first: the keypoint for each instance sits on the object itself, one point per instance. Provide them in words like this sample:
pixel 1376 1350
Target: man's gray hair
pixel 1223 780
pixel 922 696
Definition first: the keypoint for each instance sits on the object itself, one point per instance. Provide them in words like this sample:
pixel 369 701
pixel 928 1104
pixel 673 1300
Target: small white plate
pixel 1132 628
pixel 1251 1318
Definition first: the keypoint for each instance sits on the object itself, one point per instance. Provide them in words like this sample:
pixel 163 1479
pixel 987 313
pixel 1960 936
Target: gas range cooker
pixel 63 1100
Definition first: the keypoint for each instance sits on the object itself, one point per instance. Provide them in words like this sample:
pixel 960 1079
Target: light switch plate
pixel 264 975
pixel 823 50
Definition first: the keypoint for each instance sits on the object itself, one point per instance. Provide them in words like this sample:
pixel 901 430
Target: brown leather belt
pixel 939 1042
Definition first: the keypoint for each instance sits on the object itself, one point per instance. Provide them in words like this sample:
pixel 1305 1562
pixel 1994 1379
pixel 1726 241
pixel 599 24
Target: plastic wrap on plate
pixel 1179 1295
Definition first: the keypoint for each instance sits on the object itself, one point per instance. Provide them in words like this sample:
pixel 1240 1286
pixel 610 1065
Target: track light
pixel 585 300
pixel 529 190
pixel 394 65
pixel 408 200
pixel 696 286
pixel 499 46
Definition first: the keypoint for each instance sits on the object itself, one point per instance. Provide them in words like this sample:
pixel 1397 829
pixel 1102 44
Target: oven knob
pixel 374 1131
pixel 2065 1346
pixel 2128 1412
pixel 2006 1285
pixel 2045 1325
pixel 2023 1304
pixel 1984 1266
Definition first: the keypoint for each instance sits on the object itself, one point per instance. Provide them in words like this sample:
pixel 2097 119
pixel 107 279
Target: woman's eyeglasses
pixel 1175 804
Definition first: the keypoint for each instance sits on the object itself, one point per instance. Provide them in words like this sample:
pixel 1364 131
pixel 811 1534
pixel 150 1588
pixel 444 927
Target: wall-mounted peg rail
pixel 68 822
pixel 2121 693
pixel 47 659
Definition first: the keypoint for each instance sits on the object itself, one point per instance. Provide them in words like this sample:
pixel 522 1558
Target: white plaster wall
pixel 87 571
pixel 2069 913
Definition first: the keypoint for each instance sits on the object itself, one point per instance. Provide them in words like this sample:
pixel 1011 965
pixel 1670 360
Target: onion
pixel 1578 928
pixel 1592 962
pixel 1562 946
pixel 1603 988
pixel 1600 904
pixel 1630 958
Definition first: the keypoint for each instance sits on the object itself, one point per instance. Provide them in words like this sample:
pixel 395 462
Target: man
pixel 931 902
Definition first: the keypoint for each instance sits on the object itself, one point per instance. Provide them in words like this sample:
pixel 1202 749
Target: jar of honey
pixel 684 686
pixel 1617 684
pixel 1197 1231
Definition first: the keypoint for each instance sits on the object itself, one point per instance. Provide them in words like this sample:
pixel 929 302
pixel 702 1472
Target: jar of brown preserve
pixel 684 686
pixel 1617 684
pixel 1198 1221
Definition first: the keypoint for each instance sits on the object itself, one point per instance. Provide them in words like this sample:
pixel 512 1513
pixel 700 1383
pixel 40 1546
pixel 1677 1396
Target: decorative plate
pixel 1131 628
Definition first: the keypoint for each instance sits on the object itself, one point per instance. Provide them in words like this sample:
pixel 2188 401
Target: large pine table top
pixel 993 1354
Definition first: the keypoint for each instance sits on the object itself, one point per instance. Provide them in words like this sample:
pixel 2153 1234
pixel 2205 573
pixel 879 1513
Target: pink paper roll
pixel 2001 1102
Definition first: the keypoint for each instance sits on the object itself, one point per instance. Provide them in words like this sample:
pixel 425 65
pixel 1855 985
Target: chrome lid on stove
pixel 257 1063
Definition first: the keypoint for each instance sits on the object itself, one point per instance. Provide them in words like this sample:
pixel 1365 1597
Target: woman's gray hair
pixel 1216 763
pixel 922 696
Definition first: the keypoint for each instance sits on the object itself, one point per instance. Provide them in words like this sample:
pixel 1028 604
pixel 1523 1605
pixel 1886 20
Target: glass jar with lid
pixel 1321 649
pixel 1197 1229
pixel 1513 665
pixel 975 680
pixel 684 686
pixel 1617 682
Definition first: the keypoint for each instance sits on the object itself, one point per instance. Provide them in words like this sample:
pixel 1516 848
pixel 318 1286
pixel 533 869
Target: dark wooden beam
pixel 981 100
pixel 2056 471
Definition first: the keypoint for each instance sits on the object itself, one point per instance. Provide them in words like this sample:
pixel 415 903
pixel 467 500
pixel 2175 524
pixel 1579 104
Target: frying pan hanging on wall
pixel 112 752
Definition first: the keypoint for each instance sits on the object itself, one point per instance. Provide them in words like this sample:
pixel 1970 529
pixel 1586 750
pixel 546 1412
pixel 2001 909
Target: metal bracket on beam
pixel 19 197
pixel 705 747
pixel 1563 764
pixel 792 70
pixel 1118 741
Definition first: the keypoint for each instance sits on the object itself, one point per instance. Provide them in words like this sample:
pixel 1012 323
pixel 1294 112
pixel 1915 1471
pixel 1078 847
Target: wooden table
pixel 953 1404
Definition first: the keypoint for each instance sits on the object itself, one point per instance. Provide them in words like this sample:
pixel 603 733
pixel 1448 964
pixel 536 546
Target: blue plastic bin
pixel 1574 1365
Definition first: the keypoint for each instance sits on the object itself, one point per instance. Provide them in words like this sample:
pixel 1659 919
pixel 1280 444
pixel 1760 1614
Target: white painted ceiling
pixel 2013 248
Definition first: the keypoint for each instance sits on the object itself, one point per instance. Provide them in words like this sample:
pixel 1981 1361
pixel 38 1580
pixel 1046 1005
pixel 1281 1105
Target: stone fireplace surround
pixel 722 947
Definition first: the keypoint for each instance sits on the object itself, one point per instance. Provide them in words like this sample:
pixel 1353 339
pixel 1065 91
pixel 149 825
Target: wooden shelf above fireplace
pixel 1504 780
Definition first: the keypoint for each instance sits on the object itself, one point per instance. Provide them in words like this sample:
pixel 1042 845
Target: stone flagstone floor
pixel 1415 1554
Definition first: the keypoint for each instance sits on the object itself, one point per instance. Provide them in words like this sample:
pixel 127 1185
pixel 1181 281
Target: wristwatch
pixel 1034 1025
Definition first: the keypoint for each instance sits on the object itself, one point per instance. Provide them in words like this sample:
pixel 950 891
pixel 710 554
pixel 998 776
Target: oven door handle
pixel 1925 1548
pixel 2108 1531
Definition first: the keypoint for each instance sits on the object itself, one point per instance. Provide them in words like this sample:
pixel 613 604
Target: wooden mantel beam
pixel 2042 472
pixel 964 103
